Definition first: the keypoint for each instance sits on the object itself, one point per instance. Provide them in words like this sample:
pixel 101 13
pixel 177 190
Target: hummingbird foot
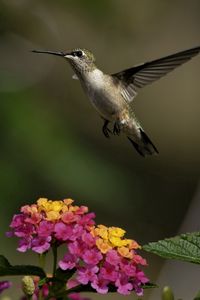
pixel 116 128
pixel 105 129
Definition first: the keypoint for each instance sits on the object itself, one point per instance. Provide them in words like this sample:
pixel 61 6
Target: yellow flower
pixel 52 215
pixel 116 231
pixel 49 206
pixel 55 205
pixel 102 232
pixel 103 246
pixel 125 252
pixel 116 241
pixel 42 203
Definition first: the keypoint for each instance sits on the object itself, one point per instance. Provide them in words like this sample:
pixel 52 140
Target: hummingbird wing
pixel 137 77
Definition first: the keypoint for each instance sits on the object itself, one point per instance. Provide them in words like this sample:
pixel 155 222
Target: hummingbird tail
pixel 144 146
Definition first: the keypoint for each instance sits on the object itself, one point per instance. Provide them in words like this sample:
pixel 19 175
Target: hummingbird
pixel 112 94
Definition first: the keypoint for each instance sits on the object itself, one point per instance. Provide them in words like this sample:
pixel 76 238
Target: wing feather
pixel 139 76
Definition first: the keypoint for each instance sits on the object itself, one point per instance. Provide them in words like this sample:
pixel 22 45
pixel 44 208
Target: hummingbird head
pixel 81 60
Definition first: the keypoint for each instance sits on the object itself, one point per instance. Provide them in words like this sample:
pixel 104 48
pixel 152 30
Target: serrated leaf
pixel 4 263
pixel 184 247
pixel 22 270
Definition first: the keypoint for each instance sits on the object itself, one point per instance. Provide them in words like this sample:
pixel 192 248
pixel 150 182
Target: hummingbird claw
pixel 105 129
pixel 116 128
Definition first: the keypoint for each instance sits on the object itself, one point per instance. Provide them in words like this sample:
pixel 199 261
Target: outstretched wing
pixel 134 78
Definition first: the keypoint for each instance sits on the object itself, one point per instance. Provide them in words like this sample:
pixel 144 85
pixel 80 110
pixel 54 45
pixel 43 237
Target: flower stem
pixel 42 265
pixel 55 256
pixel 42 260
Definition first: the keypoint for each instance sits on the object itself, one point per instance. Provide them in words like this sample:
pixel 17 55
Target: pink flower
pixel 92 257
pixel 24 230
pixel 109 272
pixel 84 275
pixel 4 285
pixel 69 262
pixel 63 232
pixel 81 210
pixel 34 219
pixel 100 285
pixel 98 256
pixel 140 276
pixel 18 220
pixel 77 232
pixel 87 220
pixel 139 260
pixel 128 269
pixel 88 239
pixel 112 257
pixel 45 228
pixel 77 248
pixel 41 244
pixel 69 217
pixel 77 296
pixel 24 244
pixel 123 284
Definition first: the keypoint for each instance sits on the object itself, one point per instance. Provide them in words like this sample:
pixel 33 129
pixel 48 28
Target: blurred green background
pixel 51 139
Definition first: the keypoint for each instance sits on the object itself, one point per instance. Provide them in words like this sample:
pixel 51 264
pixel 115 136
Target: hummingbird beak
pixel 58 53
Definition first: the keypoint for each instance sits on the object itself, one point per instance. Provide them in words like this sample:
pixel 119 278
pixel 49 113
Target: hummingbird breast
pixel 103 94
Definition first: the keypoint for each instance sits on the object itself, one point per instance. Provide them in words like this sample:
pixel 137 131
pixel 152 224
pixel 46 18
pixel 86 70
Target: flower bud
pixel 28 286
pixel 167 293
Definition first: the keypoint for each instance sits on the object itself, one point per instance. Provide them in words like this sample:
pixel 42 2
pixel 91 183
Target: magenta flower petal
pixel 4 285
pixel 77 248
pixel 77 296
pixel 92 257
pixel 68 262
pixel 84 275
pixel 24 244
pixel 112 257
pixel 17 220
pixel 45 228
pixel 88 239
pixel 100 285
pixel 109 272
pixel 123 284
pixel 63 232
pixel 41 244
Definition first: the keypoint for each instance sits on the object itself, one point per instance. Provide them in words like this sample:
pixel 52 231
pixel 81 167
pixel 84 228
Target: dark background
pixel 51 140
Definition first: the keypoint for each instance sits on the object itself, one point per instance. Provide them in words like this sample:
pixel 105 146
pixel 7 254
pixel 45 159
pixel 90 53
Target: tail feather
pixel 144 146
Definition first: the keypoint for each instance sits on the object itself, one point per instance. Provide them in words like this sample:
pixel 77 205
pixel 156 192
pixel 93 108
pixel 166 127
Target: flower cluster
pixel 100 256
pixel 105 259
pixel 39 225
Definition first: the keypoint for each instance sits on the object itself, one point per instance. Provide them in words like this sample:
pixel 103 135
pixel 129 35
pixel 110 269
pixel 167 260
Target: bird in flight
pixel 111 95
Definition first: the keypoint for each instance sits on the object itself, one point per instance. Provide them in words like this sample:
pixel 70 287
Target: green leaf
pixel 184 247
pixel 197 296
pixel 64 275
pixel 22 270
pixel 150 285
pixel 4 263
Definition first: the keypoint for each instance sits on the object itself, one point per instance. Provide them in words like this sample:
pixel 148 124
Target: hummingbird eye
pixel 79 53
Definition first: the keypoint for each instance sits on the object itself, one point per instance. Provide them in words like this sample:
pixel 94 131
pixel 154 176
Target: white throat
pixel 95 78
